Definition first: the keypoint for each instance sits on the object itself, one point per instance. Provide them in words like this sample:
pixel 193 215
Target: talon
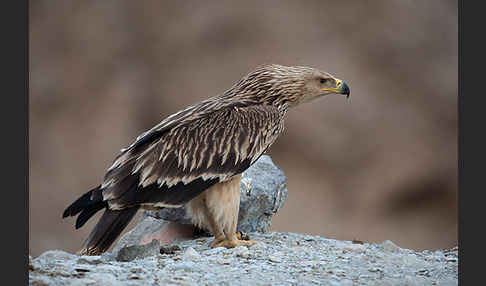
pixel 216 241
pixel 233 243
pixel 242 236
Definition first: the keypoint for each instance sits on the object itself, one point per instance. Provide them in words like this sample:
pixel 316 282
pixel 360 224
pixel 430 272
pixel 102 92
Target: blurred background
pixel 381 165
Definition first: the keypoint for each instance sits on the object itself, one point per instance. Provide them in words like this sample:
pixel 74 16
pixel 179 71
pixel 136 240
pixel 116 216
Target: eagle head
pixel 291 85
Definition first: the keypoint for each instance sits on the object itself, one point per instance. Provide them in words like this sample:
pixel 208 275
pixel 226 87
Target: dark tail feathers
pixel 87 205
pixel 108 228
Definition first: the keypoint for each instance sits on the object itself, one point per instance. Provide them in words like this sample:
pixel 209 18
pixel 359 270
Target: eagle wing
pixel 170 166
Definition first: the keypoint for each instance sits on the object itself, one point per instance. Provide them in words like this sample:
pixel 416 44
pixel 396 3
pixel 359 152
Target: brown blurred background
pixel 381 165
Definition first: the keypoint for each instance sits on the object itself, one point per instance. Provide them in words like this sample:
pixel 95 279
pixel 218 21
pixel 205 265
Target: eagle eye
pixel 322 80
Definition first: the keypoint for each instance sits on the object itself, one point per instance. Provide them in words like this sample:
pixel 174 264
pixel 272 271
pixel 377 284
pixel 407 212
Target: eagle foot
pixel 232 243
pixel 242 236
pixel 217 240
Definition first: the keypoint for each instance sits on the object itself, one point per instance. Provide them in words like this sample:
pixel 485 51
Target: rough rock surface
pixel 149 228
pixel 279 259
pixel 263 192
pixel 132 252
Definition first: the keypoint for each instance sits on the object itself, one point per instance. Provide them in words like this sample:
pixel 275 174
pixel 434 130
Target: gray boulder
pixel 263 192
pixel 140 233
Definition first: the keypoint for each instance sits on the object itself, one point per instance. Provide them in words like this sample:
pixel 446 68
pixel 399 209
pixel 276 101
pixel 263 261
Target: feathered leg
pixel 216 210
pixel 223 204
pixel 201 216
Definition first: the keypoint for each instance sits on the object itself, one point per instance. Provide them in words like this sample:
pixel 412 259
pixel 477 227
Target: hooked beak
pixel 341 88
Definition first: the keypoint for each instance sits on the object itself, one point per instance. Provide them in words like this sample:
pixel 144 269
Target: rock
pixel 356 248
pixel 389 246
pixel 223 261
pixel 149 228
pixel 129 253
pixel 190 254
pixel 185 266
pixel 214 250
pixel 315 261
pixel 177 215
pixel 263 192
pixel 107 279
pixel 54 255
pixel 89 260
pixel 171 249
pixel 275 257
pixel 258 245
pixel 241 251
pixel 144 227
pixel 39 282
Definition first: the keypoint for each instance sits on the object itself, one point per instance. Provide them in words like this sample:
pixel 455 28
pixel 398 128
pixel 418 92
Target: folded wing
pixel 168 167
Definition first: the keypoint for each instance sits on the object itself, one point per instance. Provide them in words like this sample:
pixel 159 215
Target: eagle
pixel 196 157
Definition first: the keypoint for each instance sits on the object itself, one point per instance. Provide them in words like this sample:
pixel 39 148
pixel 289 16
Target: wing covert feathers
pixel 195 153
